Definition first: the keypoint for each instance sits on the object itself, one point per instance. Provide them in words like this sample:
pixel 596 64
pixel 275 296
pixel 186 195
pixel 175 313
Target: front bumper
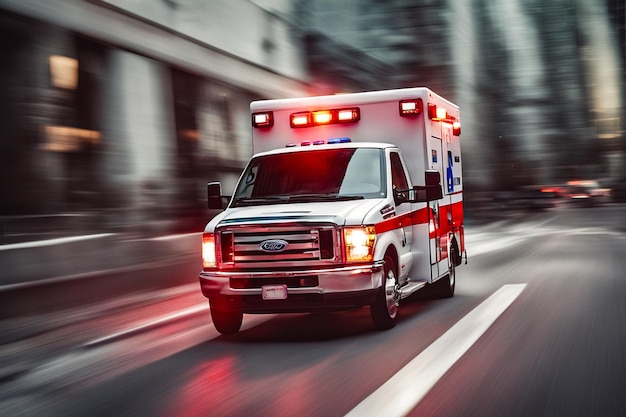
pixel 307 291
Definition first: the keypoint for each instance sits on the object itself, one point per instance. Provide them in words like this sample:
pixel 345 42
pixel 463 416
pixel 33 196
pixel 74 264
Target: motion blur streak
pixel 407 387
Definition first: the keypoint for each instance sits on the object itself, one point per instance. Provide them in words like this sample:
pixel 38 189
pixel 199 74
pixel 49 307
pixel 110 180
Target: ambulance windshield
pixel 313 175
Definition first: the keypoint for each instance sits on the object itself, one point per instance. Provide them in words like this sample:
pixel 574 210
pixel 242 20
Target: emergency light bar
pixel 331 141
pixel 265 119
pixel 324 117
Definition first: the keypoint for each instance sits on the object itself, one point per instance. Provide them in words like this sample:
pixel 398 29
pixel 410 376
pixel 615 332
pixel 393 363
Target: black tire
pixel 226 322
pixel 455 253
pixel 385 309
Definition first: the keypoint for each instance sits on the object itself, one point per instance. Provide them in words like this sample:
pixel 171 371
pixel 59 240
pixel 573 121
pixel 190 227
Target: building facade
pixel 116 113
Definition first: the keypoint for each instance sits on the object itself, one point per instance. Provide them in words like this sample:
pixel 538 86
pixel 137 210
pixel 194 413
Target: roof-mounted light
pixel 456 129
pixel 334 141
pixel 348 115
pixel 411 108
pixel 440 114
pixel 324 117
pixel 264 119
pixel 302 119
pixel 437 113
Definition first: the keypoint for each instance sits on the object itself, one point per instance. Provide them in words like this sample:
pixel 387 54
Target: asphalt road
pixel 536 328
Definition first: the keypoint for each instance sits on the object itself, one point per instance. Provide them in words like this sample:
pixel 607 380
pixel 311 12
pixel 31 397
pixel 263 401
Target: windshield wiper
pixel 255 201
pixel 304 198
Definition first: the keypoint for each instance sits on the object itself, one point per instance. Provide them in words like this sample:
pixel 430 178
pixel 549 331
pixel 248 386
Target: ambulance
pixel 350 201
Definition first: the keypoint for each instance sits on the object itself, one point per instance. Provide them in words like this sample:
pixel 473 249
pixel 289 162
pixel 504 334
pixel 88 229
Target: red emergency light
pixel 411 108
pixel 301 119
pixel 264 119
pixel 440 114
pixel 348 115
pixel 324 117
pixel 456 129
pixel 437 113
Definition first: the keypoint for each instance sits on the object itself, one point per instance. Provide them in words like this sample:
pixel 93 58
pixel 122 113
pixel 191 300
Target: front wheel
pixel 385 308
pixel 226 322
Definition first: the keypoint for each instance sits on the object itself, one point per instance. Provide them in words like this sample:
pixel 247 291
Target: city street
pixel 536 328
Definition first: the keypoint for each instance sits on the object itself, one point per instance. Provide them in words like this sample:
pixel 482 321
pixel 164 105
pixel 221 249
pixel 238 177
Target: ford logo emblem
pixel 273 245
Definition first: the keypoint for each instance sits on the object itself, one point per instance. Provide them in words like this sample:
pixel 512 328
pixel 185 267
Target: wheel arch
pixel 454 251
pixel 393 252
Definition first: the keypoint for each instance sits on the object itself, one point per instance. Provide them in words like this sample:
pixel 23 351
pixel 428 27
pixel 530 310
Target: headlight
pixel 359 243
pixel 208 251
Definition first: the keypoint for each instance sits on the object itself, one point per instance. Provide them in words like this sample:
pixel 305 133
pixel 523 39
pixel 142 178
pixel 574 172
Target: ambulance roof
pixel 346 99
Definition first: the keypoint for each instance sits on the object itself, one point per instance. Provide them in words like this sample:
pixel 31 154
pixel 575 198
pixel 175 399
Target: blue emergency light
pixel 339 140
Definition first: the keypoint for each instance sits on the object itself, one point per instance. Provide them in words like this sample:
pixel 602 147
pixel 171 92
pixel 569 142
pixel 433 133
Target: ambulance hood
pixel 352 212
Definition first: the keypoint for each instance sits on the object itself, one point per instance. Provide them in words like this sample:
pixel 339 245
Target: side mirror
pixel 430 192
pixel 214 195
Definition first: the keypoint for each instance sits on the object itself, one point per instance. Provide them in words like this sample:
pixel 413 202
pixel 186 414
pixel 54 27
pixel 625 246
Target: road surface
pixel 536 328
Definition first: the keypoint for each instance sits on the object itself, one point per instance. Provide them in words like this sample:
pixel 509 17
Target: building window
pixel 63 72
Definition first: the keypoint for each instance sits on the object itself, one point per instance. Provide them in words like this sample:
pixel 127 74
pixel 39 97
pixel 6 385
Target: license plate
pixel 274 292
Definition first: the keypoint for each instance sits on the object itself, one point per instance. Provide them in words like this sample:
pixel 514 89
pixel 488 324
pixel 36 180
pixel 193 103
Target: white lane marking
pixel 181 314
pixel 403 391
pixel 50 242
pixel 150 324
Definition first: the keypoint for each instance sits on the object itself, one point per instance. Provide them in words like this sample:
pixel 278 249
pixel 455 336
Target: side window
pixel 398 178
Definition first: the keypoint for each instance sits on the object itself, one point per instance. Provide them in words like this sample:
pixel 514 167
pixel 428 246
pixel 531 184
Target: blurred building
pixel 540 84
pixel 116 113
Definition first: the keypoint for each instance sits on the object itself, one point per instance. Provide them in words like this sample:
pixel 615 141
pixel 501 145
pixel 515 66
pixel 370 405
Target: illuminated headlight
pixel 208 251
pixel 359 243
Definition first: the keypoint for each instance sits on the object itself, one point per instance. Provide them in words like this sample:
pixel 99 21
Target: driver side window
pixel 398 178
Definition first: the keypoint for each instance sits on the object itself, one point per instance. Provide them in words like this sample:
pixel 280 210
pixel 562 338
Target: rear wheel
pixel 385 308
pixel 226 322
pixel 444 287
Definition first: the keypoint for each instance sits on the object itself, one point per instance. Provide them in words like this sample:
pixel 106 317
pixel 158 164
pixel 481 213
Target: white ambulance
pixel 350 200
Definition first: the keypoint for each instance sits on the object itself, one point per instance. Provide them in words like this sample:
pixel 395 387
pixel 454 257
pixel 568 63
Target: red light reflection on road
pixel 222 388
pixel 211 387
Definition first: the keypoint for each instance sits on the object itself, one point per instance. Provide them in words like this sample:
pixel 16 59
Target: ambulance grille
pixel 278 247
